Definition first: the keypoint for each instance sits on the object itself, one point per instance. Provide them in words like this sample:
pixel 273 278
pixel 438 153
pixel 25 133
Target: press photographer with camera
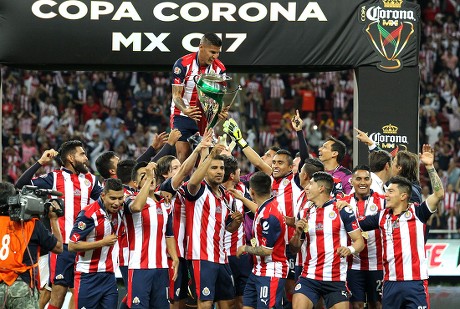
pixel 21 241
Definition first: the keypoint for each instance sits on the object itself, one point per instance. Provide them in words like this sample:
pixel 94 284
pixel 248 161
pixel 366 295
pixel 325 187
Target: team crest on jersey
pixel 373 208
pixel 81 225
pixel 297 287
pixel 206 291
pixel 77 192
pixel 177 70
pixel 59 277
pixel 177 291
pixel 408 215
pixel 333 215
pixel 87 183
pixel 136 300
pixel 285 182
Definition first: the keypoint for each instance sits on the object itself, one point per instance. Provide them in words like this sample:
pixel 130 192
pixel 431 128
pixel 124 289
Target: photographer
pixel 21 242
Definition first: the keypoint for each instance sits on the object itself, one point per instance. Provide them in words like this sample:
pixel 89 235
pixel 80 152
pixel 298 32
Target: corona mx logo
pixel 389 139
pixel 389 28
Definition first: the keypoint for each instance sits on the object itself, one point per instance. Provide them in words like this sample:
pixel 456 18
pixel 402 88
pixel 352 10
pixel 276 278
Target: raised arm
pixel 297 124
pixel 427 158
pixel 231 128
pixel 194 184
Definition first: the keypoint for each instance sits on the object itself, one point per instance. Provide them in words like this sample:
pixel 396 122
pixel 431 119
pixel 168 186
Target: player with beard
pixel 79 187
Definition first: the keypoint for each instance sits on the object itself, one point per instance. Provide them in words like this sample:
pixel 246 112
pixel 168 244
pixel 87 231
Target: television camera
pixel 32 201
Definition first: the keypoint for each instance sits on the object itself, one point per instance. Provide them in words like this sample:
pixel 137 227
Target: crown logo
pixel 392 3
pixel 390 129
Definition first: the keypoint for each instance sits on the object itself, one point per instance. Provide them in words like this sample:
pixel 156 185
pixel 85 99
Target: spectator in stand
pixel 89 108
pixel 433 133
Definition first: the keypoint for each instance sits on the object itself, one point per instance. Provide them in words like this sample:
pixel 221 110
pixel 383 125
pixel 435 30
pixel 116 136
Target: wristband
pixel 242 143
pixel 352 250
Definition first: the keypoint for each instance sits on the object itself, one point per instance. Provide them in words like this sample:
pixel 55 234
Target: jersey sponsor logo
pixel 77 192
pixel 265 301
pixel 81 225
pixel 297 287
pixel 319 226
pixel 218 209
pixel 159 211
pixel 265 225
pixel 177 70
pixel 206 291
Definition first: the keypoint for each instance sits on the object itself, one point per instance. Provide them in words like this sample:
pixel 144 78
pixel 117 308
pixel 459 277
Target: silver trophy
pixel 214 96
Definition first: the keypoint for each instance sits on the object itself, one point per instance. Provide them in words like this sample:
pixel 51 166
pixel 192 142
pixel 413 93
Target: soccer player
pixel 79 187
pixel 208 217
pixel 265 285
pixel 365 271
pixel 326 230
pixel 150 237
pixel 94 237
pixel 186 111
pixel 402 225
pixel 331 154
pixel 241 267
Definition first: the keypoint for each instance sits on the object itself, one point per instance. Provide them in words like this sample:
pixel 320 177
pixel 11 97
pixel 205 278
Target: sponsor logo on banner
pixel 389 139
pixel 389 28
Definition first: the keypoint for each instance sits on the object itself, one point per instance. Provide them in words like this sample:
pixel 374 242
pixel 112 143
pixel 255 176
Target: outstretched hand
pixel 427 155
pixel 296 121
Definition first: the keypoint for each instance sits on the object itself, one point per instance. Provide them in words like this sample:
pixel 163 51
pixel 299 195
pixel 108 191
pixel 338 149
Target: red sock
pixel 52 307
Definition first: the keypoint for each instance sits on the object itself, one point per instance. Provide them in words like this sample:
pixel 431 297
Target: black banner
pixel 387 109
pixel 257 35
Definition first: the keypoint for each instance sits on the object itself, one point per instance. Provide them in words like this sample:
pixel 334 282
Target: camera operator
pixel 21 242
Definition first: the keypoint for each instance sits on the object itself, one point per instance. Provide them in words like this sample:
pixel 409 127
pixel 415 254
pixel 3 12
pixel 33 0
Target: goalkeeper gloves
pixel 232 129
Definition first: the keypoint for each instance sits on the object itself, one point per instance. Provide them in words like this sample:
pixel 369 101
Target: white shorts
pixel 44 269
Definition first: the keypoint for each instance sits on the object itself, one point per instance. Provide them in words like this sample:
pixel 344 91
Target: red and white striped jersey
pixel 268 231
pixel 147 232
pixel 404 256
pixel 123 257
pixel 450 201
pixel 78 191
pixel 301 203
pixel 371 256
pixel 206 221
pixel 236 239
pixel 93 224
pixel 266 139
pixel 327 231
pixel 184 70
pixel 179 222
pixel 287 190
pixel 110 99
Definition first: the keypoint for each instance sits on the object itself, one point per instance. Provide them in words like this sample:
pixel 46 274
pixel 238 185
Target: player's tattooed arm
pixel 258 250
pixel 177 97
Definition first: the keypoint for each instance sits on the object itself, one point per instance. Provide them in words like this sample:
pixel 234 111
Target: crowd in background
pixel 121 111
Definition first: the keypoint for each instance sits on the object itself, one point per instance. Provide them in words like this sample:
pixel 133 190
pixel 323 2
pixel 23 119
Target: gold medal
pixel 253 242
pixel 305 229
pixel 365 235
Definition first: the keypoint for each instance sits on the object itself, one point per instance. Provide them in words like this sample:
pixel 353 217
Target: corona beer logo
pixel 389 138
pixel 390 129
pixel 389 27
pixel 392 3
